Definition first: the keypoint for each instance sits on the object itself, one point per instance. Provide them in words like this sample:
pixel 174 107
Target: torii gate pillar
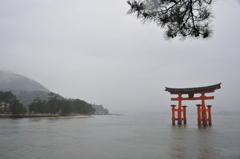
pixel 204 114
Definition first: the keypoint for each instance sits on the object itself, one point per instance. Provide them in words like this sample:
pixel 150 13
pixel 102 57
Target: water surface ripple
pixel 119 137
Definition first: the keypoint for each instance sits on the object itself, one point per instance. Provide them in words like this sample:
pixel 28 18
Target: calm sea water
pixel 119 137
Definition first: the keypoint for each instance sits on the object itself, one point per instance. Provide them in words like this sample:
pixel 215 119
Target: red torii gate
pixel 204 114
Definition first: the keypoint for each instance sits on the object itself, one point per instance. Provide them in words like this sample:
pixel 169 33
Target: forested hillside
pixel 9 105
pixel 25 89
pixel 29 95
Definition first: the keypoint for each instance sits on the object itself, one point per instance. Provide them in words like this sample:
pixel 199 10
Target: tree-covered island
pixel 54 106
pixel 21 96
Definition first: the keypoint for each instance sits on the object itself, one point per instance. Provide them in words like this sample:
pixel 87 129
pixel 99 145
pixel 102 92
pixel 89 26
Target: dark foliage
pixel 10 105
pixel 182 18
pixel 58 105
pixel 82 107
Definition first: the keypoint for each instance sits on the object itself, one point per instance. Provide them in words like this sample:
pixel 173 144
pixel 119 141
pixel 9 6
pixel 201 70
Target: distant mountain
pixel 12 81
pixel 24 88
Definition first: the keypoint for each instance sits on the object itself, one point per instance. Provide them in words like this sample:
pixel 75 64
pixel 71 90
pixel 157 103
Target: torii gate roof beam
pixel 191 91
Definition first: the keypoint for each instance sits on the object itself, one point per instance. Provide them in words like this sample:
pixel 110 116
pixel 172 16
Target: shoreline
pixel 57 116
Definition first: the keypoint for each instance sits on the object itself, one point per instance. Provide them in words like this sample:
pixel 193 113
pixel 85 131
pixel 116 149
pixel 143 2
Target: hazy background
pixel 93 51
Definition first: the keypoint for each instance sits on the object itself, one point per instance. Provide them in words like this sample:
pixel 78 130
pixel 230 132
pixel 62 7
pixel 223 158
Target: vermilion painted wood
pixel 204 114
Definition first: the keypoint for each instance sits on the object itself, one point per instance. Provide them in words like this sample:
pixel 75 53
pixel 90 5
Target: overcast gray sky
pixel 93 51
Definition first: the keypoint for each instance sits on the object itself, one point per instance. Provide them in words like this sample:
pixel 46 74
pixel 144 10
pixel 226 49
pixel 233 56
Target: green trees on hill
pixel 19 95
pixel 66 107
pixel 54 105
pixel 10 104
pixel 82 107
pixel 38 105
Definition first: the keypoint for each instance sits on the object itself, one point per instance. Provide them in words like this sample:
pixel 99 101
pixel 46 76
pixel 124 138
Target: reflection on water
pixel 118 137
pixel 205 142
pixel 178 146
